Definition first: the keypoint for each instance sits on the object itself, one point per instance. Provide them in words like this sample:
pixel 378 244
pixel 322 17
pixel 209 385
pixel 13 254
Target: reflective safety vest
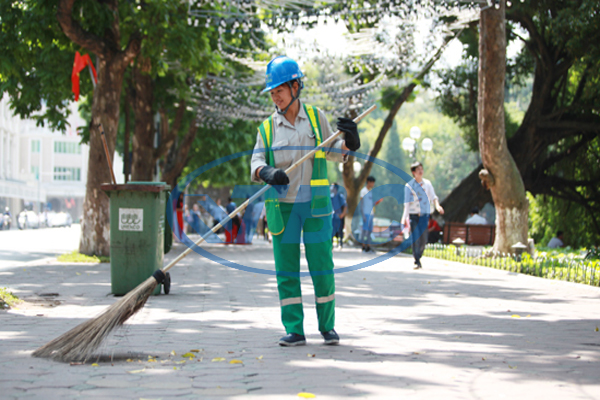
pixel 319 184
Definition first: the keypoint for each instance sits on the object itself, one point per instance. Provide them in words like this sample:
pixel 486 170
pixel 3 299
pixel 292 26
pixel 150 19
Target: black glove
pixel 348 126
pixel 273 176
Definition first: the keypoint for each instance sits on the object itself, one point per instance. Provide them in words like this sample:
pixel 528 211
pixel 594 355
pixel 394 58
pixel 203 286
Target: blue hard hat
pixel 280 70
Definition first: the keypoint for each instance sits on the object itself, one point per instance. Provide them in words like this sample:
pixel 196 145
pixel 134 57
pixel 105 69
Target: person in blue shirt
pixel 368 214
pixel 338 202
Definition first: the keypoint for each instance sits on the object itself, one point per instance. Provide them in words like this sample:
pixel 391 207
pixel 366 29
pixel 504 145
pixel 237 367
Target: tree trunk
pixel 111 64
pixel 501 174
pixel 95 226
pixel 178 156
pixel 143 138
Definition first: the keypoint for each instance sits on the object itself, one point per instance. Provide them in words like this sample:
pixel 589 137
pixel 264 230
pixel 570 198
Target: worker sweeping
pixel 79 343
pixel 301 202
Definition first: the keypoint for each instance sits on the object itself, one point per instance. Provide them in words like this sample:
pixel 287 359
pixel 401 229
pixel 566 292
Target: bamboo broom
pixel 80 342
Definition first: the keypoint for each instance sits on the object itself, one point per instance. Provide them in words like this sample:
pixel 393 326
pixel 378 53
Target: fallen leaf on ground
pixel 516 316
pixel 188 355
pixel 310 355
pixel 236 362
pixel 306 395
pixel 136 371
pixel 596 329
pixel 511 367
pixel 195 350
pixel 259 357
pixel 173 353
pixel 218 359
pixel 95 365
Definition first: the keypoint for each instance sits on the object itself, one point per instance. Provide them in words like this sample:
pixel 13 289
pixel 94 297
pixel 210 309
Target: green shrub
pixel 76 257
pixel 7 299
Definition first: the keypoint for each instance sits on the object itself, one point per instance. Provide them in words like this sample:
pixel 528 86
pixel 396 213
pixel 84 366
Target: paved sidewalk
pixel 449 331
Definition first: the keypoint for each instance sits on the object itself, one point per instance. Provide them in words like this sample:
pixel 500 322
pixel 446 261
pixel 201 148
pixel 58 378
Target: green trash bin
pixel 137 225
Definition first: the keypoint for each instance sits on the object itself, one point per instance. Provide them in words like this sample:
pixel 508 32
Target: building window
pixel 67 148
pixel 35 146
pixel 67 174
pixel 35 170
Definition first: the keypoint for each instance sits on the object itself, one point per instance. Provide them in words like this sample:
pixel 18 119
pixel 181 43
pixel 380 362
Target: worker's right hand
pixel 273 176
pixel 350 130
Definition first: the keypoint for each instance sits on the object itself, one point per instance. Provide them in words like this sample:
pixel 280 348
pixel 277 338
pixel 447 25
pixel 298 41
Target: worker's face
pixel 418 172
pixel 282 95
pixel 370 185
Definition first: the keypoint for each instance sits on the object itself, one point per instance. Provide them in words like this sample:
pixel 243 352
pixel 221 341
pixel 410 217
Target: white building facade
pixel 41 169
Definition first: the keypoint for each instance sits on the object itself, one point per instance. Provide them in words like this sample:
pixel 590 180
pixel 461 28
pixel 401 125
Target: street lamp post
pixel 409 144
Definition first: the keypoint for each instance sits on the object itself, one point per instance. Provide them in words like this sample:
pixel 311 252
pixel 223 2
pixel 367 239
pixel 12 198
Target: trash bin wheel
pixel 167 283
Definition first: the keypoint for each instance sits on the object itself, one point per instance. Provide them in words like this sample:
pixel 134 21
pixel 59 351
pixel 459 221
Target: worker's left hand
pixel 350 130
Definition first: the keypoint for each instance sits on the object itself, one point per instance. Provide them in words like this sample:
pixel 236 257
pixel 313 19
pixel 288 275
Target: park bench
pixel 479 235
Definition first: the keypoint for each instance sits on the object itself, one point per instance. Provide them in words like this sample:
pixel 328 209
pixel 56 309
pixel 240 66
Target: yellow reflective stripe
pixel 313 122
pixel 313 115
pixel 326 299
pixel 290 301
pixel 268 133
pixel 319 182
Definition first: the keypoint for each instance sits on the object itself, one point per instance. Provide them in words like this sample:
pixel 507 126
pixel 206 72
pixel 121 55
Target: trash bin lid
pixel 136 186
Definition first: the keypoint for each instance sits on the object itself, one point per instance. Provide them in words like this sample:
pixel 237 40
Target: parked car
pixel 59 219
pixel 28 220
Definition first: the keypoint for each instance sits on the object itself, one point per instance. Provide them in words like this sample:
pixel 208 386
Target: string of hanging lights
pixel 378 49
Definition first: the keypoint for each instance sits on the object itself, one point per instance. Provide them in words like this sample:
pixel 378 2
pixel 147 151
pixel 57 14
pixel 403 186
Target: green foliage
pixel 36 62
pixel 547 215
pixel 389 94
pixel 458 100
pixel 7 299
pixel 571 266
pixel 76 257
pixel 210 145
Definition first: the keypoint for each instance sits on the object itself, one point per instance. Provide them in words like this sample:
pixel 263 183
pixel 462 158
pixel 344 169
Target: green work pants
pixel 319 255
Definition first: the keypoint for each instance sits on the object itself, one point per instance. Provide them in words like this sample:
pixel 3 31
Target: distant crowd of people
pixel 206 213
pixel 241 229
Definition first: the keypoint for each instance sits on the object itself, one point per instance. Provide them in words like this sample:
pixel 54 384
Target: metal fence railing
pixel 565 268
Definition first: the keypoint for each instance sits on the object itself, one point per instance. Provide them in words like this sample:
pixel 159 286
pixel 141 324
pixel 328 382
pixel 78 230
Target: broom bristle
pixel 79 343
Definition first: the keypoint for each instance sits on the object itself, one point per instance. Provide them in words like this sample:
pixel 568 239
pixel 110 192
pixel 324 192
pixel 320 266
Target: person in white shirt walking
pixel 475 218
pixel 418 198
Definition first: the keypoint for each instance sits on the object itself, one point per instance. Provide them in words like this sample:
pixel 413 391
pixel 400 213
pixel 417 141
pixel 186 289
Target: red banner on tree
pixel 80 63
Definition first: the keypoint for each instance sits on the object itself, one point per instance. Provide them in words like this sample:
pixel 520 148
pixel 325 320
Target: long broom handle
pixel 112 173
pixel 262 191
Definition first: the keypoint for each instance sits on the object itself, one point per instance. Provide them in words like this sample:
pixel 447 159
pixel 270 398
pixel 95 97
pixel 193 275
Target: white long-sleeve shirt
pixel 298 135
pixel 419 198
